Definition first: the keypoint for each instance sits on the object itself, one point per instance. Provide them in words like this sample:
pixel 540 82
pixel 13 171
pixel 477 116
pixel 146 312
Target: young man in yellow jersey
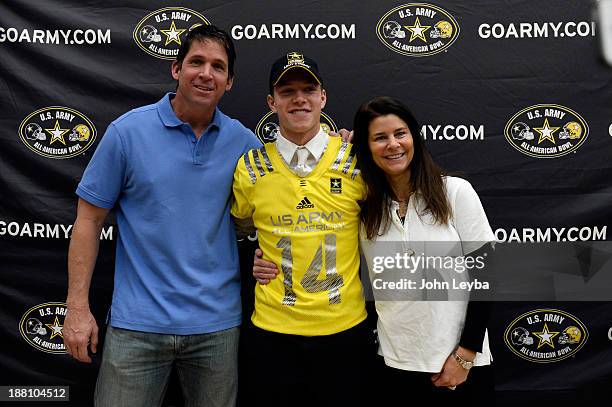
pixel 309 339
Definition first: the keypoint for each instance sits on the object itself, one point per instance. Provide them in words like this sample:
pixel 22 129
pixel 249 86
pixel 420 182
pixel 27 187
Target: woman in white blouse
pixel 427 346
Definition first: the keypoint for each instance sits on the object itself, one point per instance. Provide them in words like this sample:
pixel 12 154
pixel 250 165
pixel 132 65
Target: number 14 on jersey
pixel 324 258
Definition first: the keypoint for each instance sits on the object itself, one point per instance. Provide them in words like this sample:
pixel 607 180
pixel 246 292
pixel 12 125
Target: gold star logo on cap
pixel 294 57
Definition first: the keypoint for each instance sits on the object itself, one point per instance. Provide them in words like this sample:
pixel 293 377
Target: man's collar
pixel 169 117
pixel 166 113
pixel 316 146
pixel 216 119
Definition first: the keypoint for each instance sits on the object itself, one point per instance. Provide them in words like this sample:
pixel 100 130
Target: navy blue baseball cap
pixel 293 60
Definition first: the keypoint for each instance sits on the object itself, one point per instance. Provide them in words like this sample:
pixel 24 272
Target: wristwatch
pixel 466 364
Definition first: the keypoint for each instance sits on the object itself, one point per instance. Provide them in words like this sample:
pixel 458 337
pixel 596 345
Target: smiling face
pixel 391 145
pixel 203 75
pixel 298 100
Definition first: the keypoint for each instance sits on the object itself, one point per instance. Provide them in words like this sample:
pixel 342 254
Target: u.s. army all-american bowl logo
pixel 160 33
pixel 546 131
pixel 546 335
pixel 268 127
pixel 41 326
pixel 417 29
pixel 57 132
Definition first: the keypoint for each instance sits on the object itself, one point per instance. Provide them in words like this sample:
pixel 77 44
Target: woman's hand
pixel 453 374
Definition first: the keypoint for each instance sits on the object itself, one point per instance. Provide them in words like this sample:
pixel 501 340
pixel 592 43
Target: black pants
pixel 292 370
pixel 396 387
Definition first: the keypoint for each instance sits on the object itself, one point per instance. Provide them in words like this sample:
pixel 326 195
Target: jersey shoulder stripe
pixel 341 153
pixel 264 153
pixel 345 161
pixel 253 160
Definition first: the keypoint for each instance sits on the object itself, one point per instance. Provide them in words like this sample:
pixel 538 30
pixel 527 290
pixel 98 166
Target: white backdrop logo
pixel 161 32
pixel 294 31
pixel 546 131
pixel 57 132
pixel 77 37
pixel 549 29
pixel 417 29
pixel 461 132
pixel 552 234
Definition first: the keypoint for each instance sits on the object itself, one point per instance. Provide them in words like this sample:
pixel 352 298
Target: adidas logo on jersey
pixel 305 204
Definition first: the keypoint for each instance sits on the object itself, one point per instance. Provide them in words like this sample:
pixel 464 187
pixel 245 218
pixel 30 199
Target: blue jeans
pixel 136 367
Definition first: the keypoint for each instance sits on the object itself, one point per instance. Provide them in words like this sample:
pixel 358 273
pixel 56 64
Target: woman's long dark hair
pixel 425 174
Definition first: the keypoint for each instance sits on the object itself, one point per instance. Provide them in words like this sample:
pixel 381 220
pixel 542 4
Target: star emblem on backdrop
pixel 546 132
pixel 56 329
pixel 417 30
pixel 173 34
pixel 57 133
pixel 546 337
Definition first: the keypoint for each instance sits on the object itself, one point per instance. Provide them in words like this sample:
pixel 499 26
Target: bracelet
pixel 466 364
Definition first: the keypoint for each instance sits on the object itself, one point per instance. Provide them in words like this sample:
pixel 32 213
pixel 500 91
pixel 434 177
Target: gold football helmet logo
pixel 571 334
pixel 442 29
pixel 80 132
pixel 571 130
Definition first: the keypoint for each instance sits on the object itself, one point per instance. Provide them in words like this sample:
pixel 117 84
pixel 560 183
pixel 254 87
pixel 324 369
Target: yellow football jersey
pixel 309 227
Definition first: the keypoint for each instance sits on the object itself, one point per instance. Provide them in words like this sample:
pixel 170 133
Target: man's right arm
pixel 80 328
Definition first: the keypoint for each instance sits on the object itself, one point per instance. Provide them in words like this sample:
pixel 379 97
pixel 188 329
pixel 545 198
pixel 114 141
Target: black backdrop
pixel 501 67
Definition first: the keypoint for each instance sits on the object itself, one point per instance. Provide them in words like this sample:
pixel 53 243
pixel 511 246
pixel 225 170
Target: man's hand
pixel 344 133
pixel 453 374
pixel 263 270
pixel 80 329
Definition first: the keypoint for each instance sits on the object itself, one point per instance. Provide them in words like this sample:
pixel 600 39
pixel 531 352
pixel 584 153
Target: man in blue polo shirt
pixel 167 170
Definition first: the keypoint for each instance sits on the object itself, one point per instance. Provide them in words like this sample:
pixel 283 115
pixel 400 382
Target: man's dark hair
pixel 209 32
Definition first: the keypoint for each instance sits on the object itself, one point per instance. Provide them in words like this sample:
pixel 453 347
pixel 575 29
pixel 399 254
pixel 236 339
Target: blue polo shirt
pixel 177 269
